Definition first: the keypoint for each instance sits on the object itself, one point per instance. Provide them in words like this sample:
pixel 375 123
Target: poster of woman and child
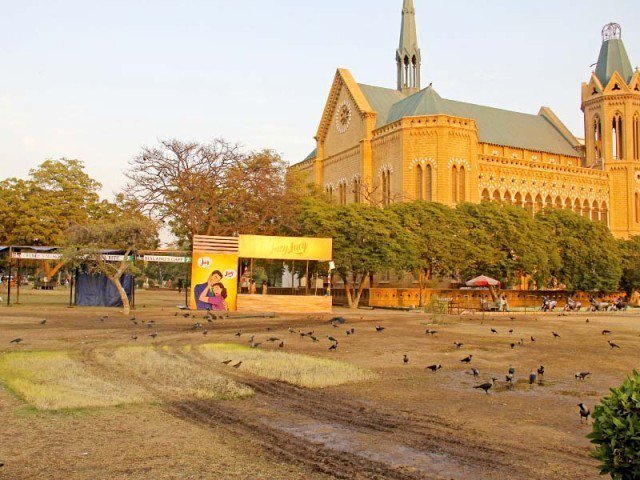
pixel 214 280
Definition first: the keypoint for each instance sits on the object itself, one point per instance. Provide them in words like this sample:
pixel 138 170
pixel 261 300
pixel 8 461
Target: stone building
pixel 383 145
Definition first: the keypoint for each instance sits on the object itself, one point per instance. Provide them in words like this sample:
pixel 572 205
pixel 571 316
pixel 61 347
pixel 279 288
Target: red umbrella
pixel 483 281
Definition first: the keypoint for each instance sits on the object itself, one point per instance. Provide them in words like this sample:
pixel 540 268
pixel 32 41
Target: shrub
pixel 616 431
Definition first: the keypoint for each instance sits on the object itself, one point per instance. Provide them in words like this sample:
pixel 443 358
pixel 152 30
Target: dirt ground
pixel 408 423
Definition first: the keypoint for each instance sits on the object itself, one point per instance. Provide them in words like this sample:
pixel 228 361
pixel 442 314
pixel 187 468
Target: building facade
pixel 381 145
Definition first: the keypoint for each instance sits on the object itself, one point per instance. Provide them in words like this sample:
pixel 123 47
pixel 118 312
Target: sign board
pixel 286 248
pixel 36 256
pixel 165 259
pixel 214 280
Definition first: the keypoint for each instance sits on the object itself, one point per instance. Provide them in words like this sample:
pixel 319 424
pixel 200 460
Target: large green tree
pixel 630 249
pixel 590 255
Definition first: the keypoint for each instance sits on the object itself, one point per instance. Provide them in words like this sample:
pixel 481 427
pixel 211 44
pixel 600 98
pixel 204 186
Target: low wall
pixel 284 303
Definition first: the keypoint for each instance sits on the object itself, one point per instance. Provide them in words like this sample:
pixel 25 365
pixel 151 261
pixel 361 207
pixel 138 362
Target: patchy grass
pixel 54 380
pixel 301 370
pixel 163 373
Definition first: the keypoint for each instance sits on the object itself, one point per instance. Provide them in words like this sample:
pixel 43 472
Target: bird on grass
pixel 511 371
pixel 613 345
pixel 606 332
pixel 273 339
pixel 43 321
pixel 587 321
pixel 333 346
pixel 541 371
pixel 238 334
pixel 493 330
pixel 511 330
pixel 582 375
pixel 475 372
pixel 509 379
pixel 379 328
pixel 458 344
pixel 227 362
pixel 237 365
pixel 467 359
pixel 250 339
pixel 513 345
pixel 430 332
pixel 434 368
pixel 405 358
pixel 353 330
pixel 584 412
pixel 16 341
pixel 134 337
pixel 533 339
pixel 281 345
pixel 255 344
pixel 332 339
pixel 315 339
pixel 555 335
pixel 532 377
pixel 348 332
pixel 486 386
pixel 153 335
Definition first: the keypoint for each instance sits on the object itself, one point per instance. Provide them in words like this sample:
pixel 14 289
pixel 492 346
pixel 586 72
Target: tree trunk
pixel 347 291
pixel 123 295
pixel 359 291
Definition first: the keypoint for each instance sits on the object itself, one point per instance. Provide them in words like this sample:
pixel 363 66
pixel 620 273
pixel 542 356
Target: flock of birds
pixel 535 375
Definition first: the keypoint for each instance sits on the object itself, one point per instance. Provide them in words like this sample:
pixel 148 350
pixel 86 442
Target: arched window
pixel 429 182
pixel 463 186
pixel 636 137
pixel 507 198
pixel 485 196
pixel 548 202
pixel 586 210
pixel 577 207
pixel 604 213
pixel 384 187
pixel 356 190
pixel 454 184
pixel 528 203
pixel 342 193
pixel 539 205
pixel 388 187
pixel 518 200
pixel 597 137
pixel 595 212
pixel 419 183
pixel 617 137
pixel 558 202
pixel 496 196
pixel 637 207
pixel 568 204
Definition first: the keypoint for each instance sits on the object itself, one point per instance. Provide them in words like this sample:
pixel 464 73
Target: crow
pixel 467 359
pixel 353 330
pixel 587 321
pixel 273 339
pixel 532 377
pixel 237 365
pixel 475 372
pixel 43 321
pixel 606 332
pixel 512 371
pixel 541 371
pixel 227 362
pixel 338 320
pixel 405 359
pixel 379 328
pixel 238 334
pixel 153 335
pixel 513 345
pixel 511 330
pixel 486 386
pixel 332 339
pixel 582 375
pixel 315 339
pixel 16 340
pixel 333 346
pixel 348 332
pixel 134 337
pixel 430 332
pixel 281 345
pixel 613 345
pixel 533 339
pixel 458 344
pixel 509 379
pixel 584 412
pixel 493 330
pixel 434 368
pixel 555 335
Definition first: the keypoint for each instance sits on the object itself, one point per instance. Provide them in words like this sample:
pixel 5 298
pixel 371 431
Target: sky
pixel 98 80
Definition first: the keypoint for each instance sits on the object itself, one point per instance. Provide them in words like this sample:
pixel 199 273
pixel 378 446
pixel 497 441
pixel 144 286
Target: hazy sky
pixel 96 80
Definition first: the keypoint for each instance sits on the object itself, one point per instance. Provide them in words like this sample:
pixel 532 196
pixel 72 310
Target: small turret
pixel 408 54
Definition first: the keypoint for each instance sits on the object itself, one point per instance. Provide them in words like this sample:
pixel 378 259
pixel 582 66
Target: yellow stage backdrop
pixel 285 248
pixel 208 271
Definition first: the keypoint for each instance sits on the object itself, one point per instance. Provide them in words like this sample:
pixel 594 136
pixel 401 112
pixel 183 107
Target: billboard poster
pixel 214 281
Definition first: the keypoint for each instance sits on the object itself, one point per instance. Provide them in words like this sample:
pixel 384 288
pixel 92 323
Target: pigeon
pixel 353 330
pixel 458 344
pixel 606 332
pixel 338 320
pixel 532 377
pixel 273 339
pixel 430 332
pixel 43 321
pixel 134 338
pixel 541 371
pixel 332 339
pixel 512 371
pixel 486 386
pixel 434 368
pixel 584 412
pixel 555 335
pixel 255 345
pixel 533 339
pixel 513 345
pixel 153 335
pixel 405 359
pixel 475 372
pixel 238 334
pixel 509 379
pixel 16 340
pixel 493 330
pixel 334 346
pixel 511 330
pixel 379 328
pixel 467 359
pixel 613 345
pixel 281 345
pixel 237 365
pixel 227 362
pixel 582 375
pixel 348 332
pixel 315 339
pixel 587 321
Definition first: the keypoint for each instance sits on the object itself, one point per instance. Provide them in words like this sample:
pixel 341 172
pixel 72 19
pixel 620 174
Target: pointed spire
pixel 408 53
pixel 613 55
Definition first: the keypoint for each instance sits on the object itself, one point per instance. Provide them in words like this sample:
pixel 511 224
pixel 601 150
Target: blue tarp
pixel 98 291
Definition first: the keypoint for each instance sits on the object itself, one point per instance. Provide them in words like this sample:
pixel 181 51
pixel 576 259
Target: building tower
pixel 408 53
pixel 611 106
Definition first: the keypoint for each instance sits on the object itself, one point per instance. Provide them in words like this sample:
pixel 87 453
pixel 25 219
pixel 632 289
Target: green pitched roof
pixel 496 126
pixel 613 57
pixel 313 154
